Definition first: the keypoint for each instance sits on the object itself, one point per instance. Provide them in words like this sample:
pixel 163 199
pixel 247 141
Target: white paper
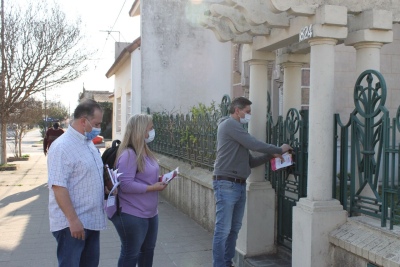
pixel 279 164
pixel 166 178
pixel 114 179
pixel 110 201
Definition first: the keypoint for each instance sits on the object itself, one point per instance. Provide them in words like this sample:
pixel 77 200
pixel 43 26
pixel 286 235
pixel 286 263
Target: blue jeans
pixel 230 201
pixel 73 252
pixel 138 239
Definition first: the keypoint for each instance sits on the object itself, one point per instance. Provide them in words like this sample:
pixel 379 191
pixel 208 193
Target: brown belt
pixel 224 178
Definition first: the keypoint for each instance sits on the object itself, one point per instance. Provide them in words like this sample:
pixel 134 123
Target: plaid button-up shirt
pixel 75 163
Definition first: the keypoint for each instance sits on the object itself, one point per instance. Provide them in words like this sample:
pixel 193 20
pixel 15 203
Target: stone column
pixel 368 32
pixel 318 214
pixel 291 64
pixel 315 216
pixel 291 86
pixel 368 56
pixel 257 233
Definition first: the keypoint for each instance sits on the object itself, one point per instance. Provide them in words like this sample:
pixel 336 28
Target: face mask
pixel 93 133
pixel 152 134
pixel 246 118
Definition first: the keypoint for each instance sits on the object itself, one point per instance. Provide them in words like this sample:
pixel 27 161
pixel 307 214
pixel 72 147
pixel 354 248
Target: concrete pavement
pixel 25 239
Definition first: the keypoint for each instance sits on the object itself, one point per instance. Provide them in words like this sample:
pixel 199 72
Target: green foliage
pixel 106 125
pixel 56 111
pixel 188 135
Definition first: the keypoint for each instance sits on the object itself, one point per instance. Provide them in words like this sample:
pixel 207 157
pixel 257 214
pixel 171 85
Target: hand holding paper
pixel 166 178
pixel 113 174
pixel 277 163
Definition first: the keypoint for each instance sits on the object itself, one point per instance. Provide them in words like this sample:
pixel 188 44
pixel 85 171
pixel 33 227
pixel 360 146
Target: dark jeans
pixel 73 252
pixel 138 239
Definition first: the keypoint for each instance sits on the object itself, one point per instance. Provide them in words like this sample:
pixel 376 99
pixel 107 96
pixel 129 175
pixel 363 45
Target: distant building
pixel 98 96
pixel 105 99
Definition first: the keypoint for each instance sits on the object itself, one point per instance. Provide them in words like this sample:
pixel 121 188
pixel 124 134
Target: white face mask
pixel 246 118
pixel 152 134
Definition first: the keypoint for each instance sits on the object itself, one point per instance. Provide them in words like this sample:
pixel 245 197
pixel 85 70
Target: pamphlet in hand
pixel 277 163
pixel 168 177
pixel 111 202
pixel 113 174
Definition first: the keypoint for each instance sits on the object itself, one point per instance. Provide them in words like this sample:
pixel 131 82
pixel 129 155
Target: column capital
pixel 287 59
pixel 253 56
pixel 322 41
pixel 362 45
pixel 370 26
pixel 369 35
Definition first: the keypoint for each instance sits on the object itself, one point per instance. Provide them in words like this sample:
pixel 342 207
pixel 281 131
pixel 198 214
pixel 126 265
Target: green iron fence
pixel 289 183
pixel 366 176
pixel 193 139
pixel 188 137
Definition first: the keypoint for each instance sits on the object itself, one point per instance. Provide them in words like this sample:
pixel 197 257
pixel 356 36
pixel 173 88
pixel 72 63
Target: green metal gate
pixel 289 183
pixel 366 176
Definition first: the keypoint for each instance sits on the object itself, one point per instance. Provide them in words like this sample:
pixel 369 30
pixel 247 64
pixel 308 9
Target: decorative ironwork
pixel 363 186
pixel 188 137
pixel 289 183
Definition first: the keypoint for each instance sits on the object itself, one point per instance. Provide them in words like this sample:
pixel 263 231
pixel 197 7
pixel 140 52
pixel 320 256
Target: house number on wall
pixel 305 33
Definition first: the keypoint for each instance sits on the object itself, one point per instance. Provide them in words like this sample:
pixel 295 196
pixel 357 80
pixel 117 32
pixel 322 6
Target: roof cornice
pixel 125 54
pixel 135 9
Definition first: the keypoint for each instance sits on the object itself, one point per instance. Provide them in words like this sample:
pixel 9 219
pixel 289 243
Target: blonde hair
pixel 134 137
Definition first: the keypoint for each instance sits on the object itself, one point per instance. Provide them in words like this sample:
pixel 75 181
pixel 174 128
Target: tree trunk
pixel 16 144
pixel 3 144
pixel 19 143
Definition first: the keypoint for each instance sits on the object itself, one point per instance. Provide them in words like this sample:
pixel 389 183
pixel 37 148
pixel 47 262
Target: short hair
pixel 56 125
pixel 239 102
pixel 86 109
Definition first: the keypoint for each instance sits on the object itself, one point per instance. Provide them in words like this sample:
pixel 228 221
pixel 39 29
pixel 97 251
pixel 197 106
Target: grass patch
pixel 8 167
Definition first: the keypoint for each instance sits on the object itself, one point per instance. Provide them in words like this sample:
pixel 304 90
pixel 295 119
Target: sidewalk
pixel 26 239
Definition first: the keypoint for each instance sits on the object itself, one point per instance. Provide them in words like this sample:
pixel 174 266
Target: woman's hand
pixel 108 191
pixel 159 186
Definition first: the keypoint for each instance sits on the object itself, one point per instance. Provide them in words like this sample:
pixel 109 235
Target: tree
pixel 24 118
pixel 55 111
pixel 106 125
pixel 40 48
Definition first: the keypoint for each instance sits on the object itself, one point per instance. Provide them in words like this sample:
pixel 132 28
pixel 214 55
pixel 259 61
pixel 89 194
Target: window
pixel 128 106
pixel 118 115
pixel 305 88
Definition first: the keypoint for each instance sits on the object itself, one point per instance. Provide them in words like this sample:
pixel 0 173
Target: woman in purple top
pixel 137 223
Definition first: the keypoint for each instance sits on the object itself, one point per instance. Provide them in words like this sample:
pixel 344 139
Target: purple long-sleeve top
pixel 133 198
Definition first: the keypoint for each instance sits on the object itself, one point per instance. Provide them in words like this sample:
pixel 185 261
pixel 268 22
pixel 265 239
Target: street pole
pixel 45 107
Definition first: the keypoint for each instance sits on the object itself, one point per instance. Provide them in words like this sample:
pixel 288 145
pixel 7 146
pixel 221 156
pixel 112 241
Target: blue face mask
pixel 93 133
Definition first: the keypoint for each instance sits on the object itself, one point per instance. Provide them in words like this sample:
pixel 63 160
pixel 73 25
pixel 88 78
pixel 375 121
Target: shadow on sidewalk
pixel 24 224
pixel 18 197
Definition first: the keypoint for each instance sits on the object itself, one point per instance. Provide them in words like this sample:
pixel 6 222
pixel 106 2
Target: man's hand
pixel 286 148
pixel 76 228
pixel 64 202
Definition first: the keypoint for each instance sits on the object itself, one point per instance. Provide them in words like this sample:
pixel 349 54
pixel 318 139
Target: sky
pixel 98 16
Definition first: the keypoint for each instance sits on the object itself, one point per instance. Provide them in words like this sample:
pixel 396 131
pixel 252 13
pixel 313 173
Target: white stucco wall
pixel 122 86
pixel 183 64
pixel 136 85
